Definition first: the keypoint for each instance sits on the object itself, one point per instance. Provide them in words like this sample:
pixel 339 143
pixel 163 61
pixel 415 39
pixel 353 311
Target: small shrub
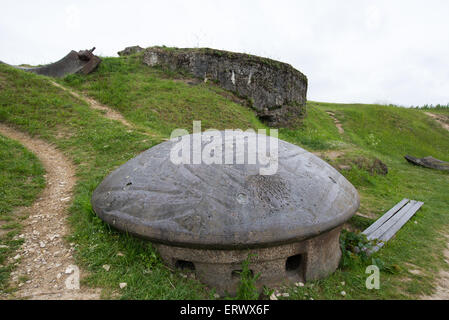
pixel 355 248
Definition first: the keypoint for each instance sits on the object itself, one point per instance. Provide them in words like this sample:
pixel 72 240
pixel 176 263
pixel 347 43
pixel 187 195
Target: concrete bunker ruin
pixel 275 90
pixel 209 217
pixel 81 62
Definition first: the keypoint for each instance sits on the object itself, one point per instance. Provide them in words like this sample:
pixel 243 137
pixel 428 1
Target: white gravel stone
pixel 122 285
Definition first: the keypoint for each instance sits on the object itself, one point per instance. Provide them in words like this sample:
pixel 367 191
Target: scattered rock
pixel 130 50
pixel 106 267
pixel 299 284
pixel 122 285
pixel 273 296
pixel 428 162
pixel 379 167
pixel 372 165
pixel 336 121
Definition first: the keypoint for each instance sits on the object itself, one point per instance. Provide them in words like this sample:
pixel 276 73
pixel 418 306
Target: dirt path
pixel 108 112
pixel 46 268
pixel 442 285
pixel 337 122
pixel 441 119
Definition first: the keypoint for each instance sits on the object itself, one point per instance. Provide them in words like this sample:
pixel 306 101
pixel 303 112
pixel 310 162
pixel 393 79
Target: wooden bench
pixel 386 226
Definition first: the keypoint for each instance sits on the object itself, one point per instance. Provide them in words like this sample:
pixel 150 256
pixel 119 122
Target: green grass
pixel 388 133
pixel 151 100
pixel 96 146
pixel 317 131
pixel 21 180
pixel 148 97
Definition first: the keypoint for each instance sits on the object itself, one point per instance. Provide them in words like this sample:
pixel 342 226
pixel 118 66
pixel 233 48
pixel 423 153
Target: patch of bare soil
pixel 46 268
pixel 367 215
pixel 3 231
pixel 330 154
pixel 413 269
pixel 337 122
pixel 441 119
pixel 442 285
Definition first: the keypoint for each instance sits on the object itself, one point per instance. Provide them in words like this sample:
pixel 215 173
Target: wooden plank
pixel 398 225
pixel 376 248
pixel 387 225
pixel 387 230
pixel 379 222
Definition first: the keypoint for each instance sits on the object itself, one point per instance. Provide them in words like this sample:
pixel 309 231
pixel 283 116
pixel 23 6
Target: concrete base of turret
pixel 310 259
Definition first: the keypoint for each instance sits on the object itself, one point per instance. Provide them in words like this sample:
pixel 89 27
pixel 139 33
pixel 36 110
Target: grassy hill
pixel 157 101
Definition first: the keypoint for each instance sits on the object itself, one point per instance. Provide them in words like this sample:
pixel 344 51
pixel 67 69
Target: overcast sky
pixel 367 51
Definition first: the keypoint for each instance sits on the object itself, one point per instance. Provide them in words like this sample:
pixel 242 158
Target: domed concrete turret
pixel 208 217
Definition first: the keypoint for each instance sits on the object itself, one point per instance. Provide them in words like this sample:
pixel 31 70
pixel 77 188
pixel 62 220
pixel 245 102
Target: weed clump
pixel 356 250
pixel 247 289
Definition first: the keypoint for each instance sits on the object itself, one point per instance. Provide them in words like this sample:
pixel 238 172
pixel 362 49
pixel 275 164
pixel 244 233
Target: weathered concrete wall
pixel 319 257
pixel 276 90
